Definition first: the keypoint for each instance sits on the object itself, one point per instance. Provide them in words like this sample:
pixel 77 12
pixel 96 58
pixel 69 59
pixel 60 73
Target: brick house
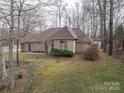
pixel 72 39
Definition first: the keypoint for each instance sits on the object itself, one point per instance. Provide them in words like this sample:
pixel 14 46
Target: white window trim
pixel 63 46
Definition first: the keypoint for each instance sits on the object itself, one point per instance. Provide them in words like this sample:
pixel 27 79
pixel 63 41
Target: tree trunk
pixel 17 51
pixel 101 23
pixel 11 67
pixel 111 28
pixel 104 21
pixel 17 55
pixel 3 71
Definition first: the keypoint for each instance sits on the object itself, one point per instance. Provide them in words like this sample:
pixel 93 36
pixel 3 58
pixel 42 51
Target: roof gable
pixel 57 33
pixel 64 33
pixel 45 35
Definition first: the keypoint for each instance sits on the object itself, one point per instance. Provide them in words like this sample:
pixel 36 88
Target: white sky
pixel 70 2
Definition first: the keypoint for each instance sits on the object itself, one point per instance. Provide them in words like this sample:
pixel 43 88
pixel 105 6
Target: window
pixel 29 47
pixel 52 45
pixel 63 45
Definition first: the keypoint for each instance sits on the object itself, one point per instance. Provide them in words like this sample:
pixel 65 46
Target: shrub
pixel 91 53
pixel 64 53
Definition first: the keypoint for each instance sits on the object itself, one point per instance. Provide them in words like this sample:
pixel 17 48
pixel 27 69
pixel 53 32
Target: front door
pixel 29 47
pixel 46 47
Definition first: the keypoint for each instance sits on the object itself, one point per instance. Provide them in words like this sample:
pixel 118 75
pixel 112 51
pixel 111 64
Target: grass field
pixel 106 75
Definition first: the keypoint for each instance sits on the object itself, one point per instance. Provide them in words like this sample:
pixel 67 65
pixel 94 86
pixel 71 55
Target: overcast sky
pixel 70 2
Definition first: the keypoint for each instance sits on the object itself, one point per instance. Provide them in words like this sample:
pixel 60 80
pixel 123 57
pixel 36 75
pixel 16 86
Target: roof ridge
pixel 62 33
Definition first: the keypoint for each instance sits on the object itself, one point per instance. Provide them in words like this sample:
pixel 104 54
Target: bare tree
pixel 12 76
pixel 3 71
pixel 19 8
pixel 111 27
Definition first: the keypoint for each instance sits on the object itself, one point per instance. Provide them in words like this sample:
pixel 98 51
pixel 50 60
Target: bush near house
pixel 91 53
pixel 63 53
pixel 119 37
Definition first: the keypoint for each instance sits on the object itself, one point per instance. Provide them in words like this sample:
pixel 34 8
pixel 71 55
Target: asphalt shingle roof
pixel 57 33
pixel 64 33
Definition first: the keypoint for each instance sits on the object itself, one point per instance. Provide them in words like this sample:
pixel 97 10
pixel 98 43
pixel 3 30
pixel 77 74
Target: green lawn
pixel 105 75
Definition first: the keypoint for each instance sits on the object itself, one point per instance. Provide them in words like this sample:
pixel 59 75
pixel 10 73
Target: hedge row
pixel 63 53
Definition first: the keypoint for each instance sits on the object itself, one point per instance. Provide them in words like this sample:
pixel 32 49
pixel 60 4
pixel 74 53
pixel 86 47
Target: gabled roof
pixel 45 35
pixel 57 33
pixel 38 37
pixel 64 33
pixel 30 37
